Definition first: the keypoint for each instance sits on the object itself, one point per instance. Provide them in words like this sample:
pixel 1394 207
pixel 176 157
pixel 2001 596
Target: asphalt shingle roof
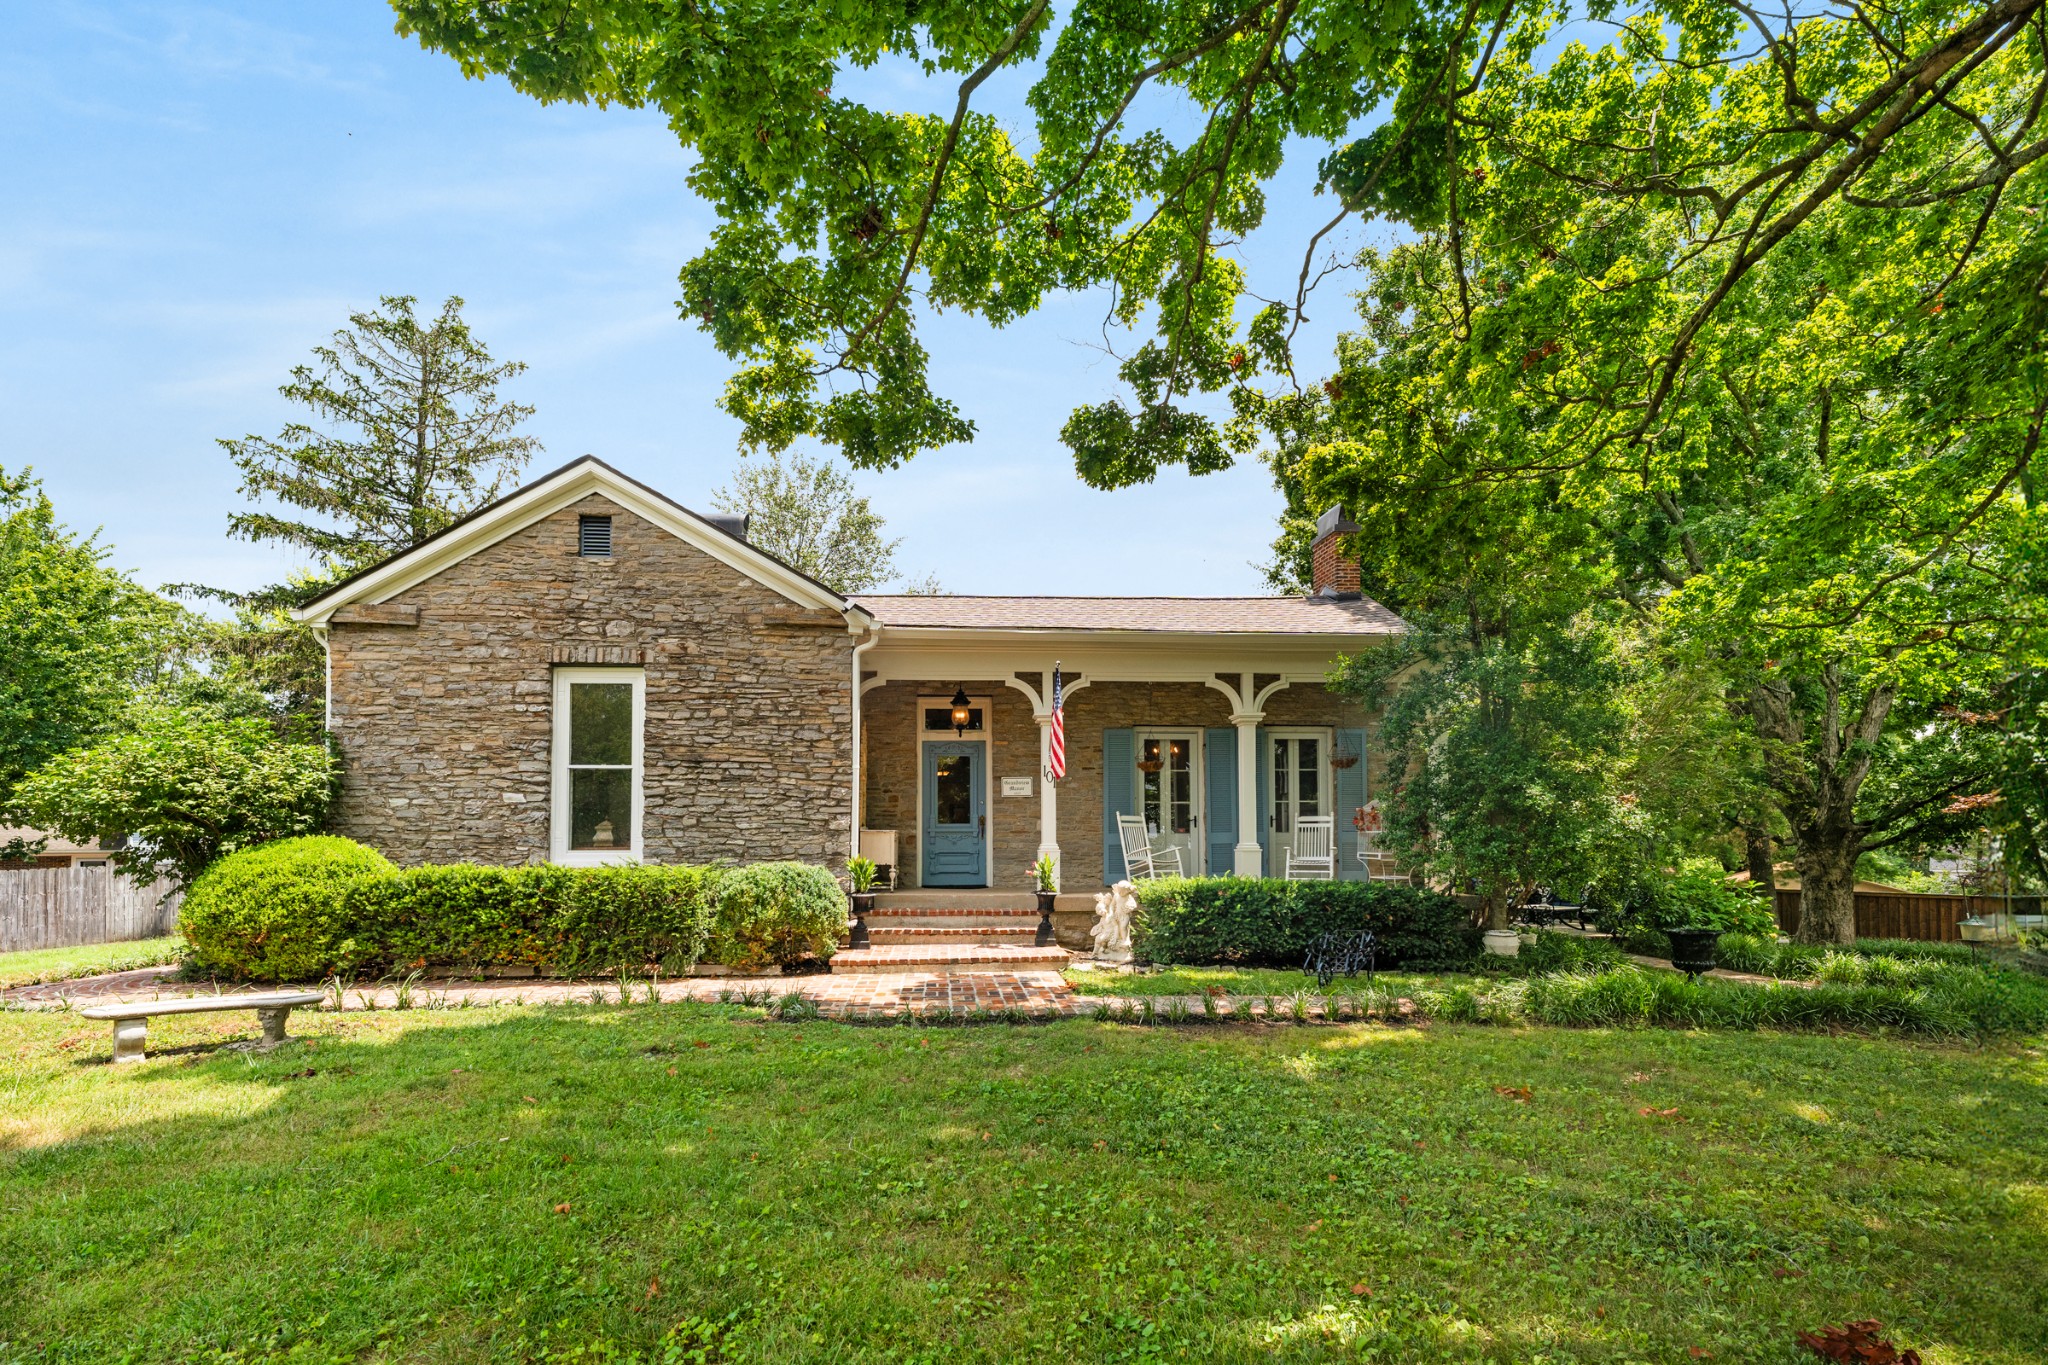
pixel 1217 615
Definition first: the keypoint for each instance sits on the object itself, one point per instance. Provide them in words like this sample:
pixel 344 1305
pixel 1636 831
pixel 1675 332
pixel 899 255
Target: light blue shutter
pixel 1350 794
pixel 1118 798
pixel 1265 768
pixel 1219 762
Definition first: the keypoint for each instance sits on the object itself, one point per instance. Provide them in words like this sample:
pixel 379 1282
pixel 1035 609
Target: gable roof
pixel 1179 615
pixel 550 493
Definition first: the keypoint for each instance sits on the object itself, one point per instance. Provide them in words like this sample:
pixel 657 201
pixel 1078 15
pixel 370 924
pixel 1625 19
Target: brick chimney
pixel 1331 572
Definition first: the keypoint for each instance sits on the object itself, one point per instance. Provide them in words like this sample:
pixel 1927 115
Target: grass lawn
pixel 581 1183
pixel 62 964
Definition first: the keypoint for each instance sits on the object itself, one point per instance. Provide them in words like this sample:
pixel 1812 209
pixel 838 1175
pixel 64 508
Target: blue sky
pixel 198 194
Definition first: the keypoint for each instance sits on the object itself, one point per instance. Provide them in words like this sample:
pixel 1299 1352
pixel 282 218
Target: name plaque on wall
pixel 1016 786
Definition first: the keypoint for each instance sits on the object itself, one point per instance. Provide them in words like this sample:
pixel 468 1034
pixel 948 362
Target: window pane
pixel 600 808
pixel 941 718
pixel 1283 805
pixel 1181 769
pixel 601 723
pixel 1311 789
pixel 955 789
pixel 1148 783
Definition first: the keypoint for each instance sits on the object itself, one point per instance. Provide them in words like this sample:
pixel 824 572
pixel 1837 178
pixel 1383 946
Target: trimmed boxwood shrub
pixel 560 921
pixel 302 909
pixel 274 911
pixel 1263 921
pixel 777 912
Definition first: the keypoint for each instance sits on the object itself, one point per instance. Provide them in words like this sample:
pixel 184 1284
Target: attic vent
pixel 594 537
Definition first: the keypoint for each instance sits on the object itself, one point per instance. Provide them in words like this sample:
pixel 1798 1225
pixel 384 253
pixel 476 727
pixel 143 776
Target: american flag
pixel 1056 747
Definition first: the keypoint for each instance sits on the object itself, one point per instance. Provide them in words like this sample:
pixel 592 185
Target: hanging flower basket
pixel 1342 759
pixel 1150 765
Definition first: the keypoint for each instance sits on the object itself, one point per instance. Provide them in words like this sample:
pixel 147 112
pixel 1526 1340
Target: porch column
pixel 1246 858
pixel 1048 800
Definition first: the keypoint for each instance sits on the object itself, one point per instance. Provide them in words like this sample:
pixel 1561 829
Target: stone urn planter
pixel 1692 950
pixel 1044 938
pixel 863 904
pixel 1502 942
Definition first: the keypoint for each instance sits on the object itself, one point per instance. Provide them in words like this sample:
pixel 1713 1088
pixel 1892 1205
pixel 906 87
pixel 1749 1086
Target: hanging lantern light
pixel 960 712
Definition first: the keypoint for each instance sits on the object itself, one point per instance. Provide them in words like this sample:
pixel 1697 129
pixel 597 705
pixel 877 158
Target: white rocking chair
pixel 1311 854
pixel 1379 864
pixel 1142 862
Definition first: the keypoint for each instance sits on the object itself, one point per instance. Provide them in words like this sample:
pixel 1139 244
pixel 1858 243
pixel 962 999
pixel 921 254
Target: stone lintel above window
pixel 625 656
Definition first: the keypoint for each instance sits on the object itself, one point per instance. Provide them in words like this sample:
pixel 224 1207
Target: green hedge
pixel 1263 921
pixel 302 909
pixel 561 921
pixel 274 911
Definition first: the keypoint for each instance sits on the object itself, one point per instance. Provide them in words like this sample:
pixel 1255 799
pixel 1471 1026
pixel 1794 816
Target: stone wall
pixel 891 774
pixel 445 726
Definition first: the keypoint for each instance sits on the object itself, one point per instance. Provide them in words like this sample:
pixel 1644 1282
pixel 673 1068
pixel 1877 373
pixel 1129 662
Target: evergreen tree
pixel 416 436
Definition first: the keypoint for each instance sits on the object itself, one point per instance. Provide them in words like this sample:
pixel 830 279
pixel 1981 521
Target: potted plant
pixel 861 873
pixel 1692 950
pixel 1046 873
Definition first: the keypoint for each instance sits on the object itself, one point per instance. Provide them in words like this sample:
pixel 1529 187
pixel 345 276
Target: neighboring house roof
pixel 545 496
pixel 1190 615
pixel 56 846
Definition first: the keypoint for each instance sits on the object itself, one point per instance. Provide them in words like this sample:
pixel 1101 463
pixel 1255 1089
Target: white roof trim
pixel 568 485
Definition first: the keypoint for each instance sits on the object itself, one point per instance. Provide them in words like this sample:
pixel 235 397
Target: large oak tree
pixel 1750 301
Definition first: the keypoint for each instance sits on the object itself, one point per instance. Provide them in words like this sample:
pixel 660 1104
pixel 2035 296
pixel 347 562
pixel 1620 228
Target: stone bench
pixel 131 1022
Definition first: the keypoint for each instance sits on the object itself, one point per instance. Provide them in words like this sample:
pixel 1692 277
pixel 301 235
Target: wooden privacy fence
pixel 1932 919
pixel 61 907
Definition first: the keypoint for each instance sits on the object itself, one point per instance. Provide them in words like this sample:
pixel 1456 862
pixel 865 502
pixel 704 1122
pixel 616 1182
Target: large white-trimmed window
pixel 599 716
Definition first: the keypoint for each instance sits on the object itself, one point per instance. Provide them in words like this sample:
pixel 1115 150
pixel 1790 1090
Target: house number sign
pixel 1016 786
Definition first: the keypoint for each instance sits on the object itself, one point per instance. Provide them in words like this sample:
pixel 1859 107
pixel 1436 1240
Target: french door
pixel 1170 792
pixel 1297 784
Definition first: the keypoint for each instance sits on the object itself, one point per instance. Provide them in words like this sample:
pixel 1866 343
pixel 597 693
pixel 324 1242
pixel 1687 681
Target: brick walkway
pixel 867 995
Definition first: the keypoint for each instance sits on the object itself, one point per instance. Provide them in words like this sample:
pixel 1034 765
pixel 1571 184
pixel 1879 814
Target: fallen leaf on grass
pixel 1518 1093
pixel 1651 1112
pixel 1333 1180
pixel 1363 1291
pixel 529 1099
pixel 1699 1353
pixel 561 1208
pixel 653 1286
pixel 1316 1226
pixel 1856 1343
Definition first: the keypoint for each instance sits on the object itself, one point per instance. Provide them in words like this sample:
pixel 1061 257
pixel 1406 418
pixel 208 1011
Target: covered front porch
pixel 1218 741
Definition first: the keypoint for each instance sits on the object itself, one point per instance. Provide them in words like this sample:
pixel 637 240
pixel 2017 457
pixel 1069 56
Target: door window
pixel 1297 780
pixel 1166 774
pixel 953 789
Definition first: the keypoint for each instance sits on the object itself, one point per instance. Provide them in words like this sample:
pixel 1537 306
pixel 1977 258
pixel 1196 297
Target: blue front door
pixel 955 818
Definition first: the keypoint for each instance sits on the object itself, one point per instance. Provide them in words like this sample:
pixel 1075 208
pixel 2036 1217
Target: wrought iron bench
pixel 1339 952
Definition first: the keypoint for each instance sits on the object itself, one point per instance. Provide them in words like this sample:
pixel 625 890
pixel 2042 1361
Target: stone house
pixel 586 672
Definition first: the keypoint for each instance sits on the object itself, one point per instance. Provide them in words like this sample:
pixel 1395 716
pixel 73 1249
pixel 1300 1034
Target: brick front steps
pixel 949 932
pixel 945 959
pixel 926 934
